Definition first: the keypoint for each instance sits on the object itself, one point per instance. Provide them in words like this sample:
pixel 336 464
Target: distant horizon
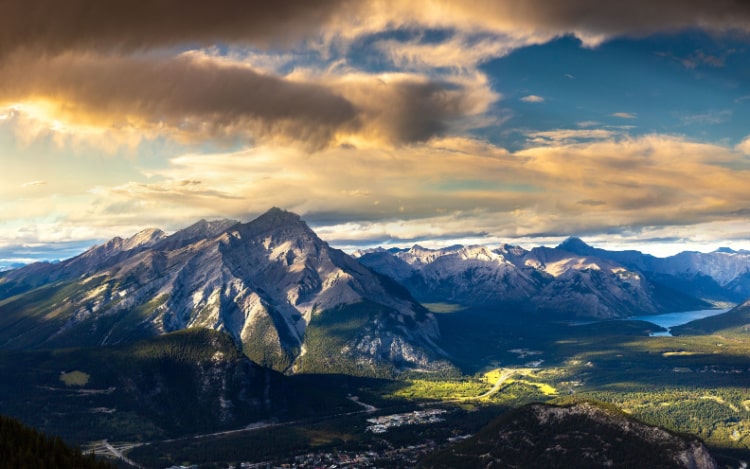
pixel 46 253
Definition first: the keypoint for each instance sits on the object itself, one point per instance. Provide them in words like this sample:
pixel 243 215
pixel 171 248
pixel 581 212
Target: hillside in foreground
pixel 23 447
pixel 582 435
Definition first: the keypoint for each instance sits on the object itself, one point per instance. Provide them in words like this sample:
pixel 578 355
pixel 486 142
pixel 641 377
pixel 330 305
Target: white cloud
pixel 460 51
pixel 566 136
pixel 532 98
pixel 744 146
pixel 624 115
pixel 34 183
pixel 586 124
pixel 707 118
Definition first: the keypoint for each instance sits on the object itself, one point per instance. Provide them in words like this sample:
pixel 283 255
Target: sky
pixel 380 122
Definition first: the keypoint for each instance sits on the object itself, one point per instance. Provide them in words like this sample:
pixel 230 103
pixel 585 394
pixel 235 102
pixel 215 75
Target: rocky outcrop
pixel 584 435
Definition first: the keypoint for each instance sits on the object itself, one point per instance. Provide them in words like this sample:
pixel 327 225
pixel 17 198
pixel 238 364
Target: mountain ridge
pixel 571 280
pixel 263 282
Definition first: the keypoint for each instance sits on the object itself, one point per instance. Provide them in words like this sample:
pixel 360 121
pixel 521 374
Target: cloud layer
pixel 193 97
pixel 375 119
pixel 456 186
pixel 117 66
pixel 51 26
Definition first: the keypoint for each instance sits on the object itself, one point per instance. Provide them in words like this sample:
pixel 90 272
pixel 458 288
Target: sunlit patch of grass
pixel 720 400
pixel 443 308
pixel 442 389
pixel 544 388
pixel 492 376
pixel 74 378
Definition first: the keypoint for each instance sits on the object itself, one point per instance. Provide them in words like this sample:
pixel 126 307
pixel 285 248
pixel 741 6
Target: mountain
pixel 586 283
pixel 583 435
pixel 571 280
pixel 11 266
pixel 722 275
pixel 195 380
pixel 735 322
pixel 461 274
pixel 291 301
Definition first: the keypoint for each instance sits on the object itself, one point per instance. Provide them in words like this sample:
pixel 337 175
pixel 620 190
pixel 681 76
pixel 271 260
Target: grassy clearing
pixel 444 308
pixel 75 378
pixel 544 388
pixel 441 390
pixel 493 375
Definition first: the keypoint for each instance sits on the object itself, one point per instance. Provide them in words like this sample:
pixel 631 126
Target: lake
pixel 670 320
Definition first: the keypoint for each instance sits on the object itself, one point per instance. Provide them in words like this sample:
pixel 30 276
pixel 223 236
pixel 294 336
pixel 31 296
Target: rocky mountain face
pixel 271 284
pixel 458 274
pixel 563 281
pixel 581 435
pixel 722 275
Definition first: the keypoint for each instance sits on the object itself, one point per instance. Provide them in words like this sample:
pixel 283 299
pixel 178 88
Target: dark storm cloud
pixel 632 17
pixel 54 26
pixel 192 96
pixel 106 62
pixel 407 110
pixel 185 93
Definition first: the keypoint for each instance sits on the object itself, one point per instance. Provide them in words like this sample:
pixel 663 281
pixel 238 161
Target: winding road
pixel 496 387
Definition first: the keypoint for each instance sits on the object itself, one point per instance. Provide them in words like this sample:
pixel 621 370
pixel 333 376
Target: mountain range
pixel 570 280
pixel 161 335
pixel 295 304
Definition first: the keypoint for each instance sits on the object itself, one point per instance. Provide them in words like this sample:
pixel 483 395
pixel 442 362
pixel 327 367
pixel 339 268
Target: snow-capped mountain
pixel 291 301
pixel 722 275
pixel 472 274
pixel 569 280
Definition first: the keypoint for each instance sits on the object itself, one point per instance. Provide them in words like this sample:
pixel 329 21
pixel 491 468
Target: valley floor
pixel 696 383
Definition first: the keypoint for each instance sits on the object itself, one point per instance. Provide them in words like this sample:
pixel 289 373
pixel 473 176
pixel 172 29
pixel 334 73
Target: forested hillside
pixel 22 447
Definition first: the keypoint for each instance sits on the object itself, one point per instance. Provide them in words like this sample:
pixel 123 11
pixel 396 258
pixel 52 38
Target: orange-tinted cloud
pixel 192 97
pixel 560 188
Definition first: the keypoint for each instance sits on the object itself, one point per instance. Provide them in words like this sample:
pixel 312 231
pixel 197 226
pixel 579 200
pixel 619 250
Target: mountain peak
pixel 510 249
pixel 275 219
pixel 576 246
pixel 279 216
pixel 144 238
pixel 204 229
pixel 266 283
